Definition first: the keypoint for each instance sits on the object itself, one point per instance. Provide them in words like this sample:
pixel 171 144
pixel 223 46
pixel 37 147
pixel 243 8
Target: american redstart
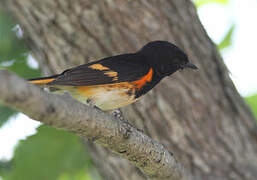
pixel 117 81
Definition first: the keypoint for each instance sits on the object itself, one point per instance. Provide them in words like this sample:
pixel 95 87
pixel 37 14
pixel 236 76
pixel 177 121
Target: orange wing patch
pixel 147 78
pixel 112 74
pixel 98 67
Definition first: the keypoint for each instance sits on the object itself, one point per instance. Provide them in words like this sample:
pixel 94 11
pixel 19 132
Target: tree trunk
pixel 199 116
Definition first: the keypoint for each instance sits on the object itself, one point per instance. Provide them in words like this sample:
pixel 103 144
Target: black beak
pixel 190 65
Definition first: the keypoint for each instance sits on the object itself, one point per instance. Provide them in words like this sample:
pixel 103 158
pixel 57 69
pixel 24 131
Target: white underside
pixel 106 99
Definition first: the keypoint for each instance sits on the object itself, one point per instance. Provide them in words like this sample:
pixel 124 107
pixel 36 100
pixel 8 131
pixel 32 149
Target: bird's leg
pixel 91 103
pixel 117 113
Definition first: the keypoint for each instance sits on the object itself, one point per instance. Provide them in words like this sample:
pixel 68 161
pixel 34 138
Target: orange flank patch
pixel 112 96
pixel 98 67
pixel 88 91
pixel 108 96
pixel 42 81
pixel 147 78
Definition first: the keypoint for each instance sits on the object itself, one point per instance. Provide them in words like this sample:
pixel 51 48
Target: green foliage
pixel 4 166
pixel 13 57
pixel 200 3
pixel 227 40
pixel 21 68
pixel 79 176
pixel 50 154
pixel 13 51
pixel 252 102
pixel 5 114
pixel 10 46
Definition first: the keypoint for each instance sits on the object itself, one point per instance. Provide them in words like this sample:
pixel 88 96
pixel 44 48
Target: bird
pixel 113 82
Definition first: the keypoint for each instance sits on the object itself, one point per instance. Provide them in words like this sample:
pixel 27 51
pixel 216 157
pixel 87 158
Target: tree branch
pixel 64 112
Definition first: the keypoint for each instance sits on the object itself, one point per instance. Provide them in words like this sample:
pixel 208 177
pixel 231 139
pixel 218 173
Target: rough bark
pixel 199 116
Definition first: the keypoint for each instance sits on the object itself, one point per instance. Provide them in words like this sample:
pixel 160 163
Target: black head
pixel 165 57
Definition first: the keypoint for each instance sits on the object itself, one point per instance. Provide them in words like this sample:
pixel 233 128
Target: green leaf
pixel 252 102
pixel 199 3
pixel 10 46
pixel 79 176
pixel 48 155
pixel 5 114
pixel 227 40
pixel 13 57
pixel 13 51
pixel 4 166
pixel 22 68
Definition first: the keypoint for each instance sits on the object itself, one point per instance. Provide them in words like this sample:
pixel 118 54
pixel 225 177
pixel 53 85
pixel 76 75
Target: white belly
pixel 106 97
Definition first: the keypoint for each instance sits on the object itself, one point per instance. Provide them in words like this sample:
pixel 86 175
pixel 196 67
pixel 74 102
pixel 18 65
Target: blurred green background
pixel 50 153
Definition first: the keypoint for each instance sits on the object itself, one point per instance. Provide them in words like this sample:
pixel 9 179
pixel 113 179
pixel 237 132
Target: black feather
pixel 129 67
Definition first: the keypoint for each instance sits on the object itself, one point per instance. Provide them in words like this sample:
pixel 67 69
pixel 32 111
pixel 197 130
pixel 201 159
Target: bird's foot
pixel 117 113
pixel 91 103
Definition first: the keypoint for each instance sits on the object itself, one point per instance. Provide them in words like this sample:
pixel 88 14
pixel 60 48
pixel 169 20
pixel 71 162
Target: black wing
pixel 115 69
